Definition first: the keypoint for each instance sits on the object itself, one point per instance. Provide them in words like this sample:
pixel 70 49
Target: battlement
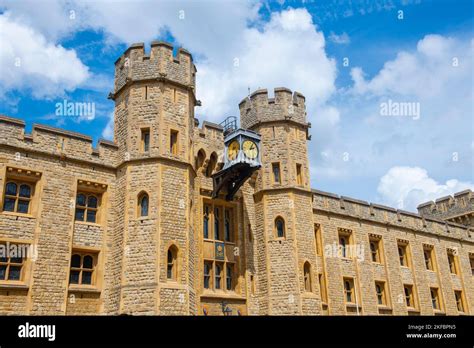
pixel 286 105
pixel 396 218
pixel 134 65
pixel 55 142
pixel 459 207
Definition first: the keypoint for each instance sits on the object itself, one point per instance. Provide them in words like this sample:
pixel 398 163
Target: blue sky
pixel 54 51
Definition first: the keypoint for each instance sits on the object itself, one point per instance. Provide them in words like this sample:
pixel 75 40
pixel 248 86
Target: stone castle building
pixel 131 226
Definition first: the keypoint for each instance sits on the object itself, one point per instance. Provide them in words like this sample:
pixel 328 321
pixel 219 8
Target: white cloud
pixel 424 73
pixel 29 62
pixel 288 51
pixel 108 132
pixel 341 39
pixel 407 187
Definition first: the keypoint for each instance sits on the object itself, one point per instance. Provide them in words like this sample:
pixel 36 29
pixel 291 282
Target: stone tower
pixel 284 233
pixel 154 98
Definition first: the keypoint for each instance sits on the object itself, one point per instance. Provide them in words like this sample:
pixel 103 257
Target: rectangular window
pixel 380 291
pixel 276 173
pixel 459 300
pixel 87 207
pixel 218 275
pixel 145 140
pixel 299 177
pixel 17 196
pixel 349 294
pixel 403 254
pixel 344 242
pixel 252 284
pixel 317 239
pixel 174 142
pixel 229 276
pixel 207 274
pixel 428 256
pixel 435 298
pixel 217 223
pixel 452 262
pixel 12 263
pixel 375 250
pixel 322 287
pixel 228 224
pixel 206 220
pixel 471 260
pixel 83 268
pixel 146 93
pixel 409 298
pixel 175 95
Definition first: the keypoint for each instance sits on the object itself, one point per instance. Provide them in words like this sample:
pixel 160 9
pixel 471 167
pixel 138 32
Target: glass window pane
pixel 88 262
pixel 14 273
pixel 91 215
pixel 76 260
pixel 9 204
pixel 92 202
pixel 74 277
pixel 25 191
pixel 80 214
pixel 81 199
pixel 23 206
pixel 16 260
pixel 3 271
pixel 144 206
pixel 86 277
pixel 11 189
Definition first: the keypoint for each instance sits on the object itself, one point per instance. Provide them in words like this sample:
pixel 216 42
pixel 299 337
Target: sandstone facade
pixel 157 243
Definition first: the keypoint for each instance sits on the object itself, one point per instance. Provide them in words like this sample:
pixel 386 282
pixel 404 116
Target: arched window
pixel 172 260
pixel 143 204
pixel 307 276
pixel 280 227
pixel 211 165
pixel 201 157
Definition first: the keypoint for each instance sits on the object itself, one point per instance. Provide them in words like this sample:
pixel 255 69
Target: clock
pixel 233 150
pixel 250 149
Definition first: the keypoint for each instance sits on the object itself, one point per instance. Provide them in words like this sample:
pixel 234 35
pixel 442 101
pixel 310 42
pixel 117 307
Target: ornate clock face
pixel 233 150
pixel 250 149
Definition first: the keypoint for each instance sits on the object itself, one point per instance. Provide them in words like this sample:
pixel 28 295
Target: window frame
pixel 411 296
pixel 174 142
pixel 142 195
pixel 145 140
pixel 452 262
pixel 81 268
pixel 276 166
pixel 307 277
pixel 382 295
pixel 350 291
pixel 173 249
pixel 8 263
pixel 86 207
pixel 299 174
pixel 459 298
pixel 279 218
pixel 436 300
pixel 17 198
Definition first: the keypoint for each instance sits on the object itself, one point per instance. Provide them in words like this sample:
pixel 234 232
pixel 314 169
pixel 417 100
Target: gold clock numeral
pixel 233 150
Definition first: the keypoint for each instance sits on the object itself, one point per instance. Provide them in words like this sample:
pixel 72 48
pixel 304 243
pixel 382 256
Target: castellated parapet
pixel 57 142
pixel 285 106
pixel 457 208
pixel 135 65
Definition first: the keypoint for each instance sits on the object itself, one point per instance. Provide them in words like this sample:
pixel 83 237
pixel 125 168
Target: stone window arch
pixel 280 229
pixel 307 276
pixel 143 204
pixel 172 263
